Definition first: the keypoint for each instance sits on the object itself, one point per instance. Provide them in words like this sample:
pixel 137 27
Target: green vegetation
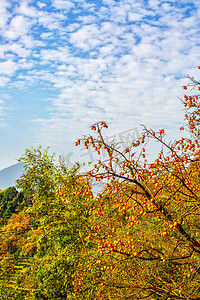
pixel 12 201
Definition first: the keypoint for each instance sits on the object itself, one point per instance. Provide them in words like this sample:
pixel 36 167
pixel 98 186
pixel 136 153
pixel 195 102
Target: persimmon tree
pixel 145 221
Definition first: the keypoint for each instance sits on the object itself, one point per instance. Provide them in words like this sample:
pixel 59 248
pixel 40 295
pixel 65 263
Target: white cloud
pixel 86 37
pixel 153 3
pixel 134 17
pixel 41 4
pixel 26 10
pixel 8 67
pixel 46 35
pixel 4 14
pixel 88 19
pixel 59 55
pixel 51 21
pixel 19 26
pixel 120 61
pixel 29 42
pixel 4 81
pixel 62 4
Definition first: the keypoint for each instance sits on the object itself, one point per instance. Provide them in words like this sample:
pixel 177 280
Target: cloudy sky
pixel 65 64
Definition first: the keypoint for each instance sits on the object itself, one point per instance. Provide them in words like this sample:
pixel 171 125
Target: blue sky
pixel 65 64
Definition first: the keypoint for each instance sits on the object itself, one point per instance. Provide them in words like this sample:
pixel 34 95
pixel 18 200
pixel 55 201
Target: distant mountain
pixel 9 175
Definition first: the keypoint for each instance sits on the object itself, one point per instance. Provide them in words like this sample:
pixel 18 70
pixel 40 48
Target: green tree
pixel 60 246
pixel 41 177
pixel 11 201
pixel 40 173
pixel 59 216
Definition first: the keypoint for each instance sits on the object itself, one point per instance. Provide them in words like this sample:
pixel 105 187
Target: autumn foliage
pixel 146 219
pixel 138 238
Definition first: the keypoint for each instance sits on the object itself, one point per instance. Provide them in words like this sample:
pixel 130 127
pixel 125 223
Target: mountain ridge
pixel 9 175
